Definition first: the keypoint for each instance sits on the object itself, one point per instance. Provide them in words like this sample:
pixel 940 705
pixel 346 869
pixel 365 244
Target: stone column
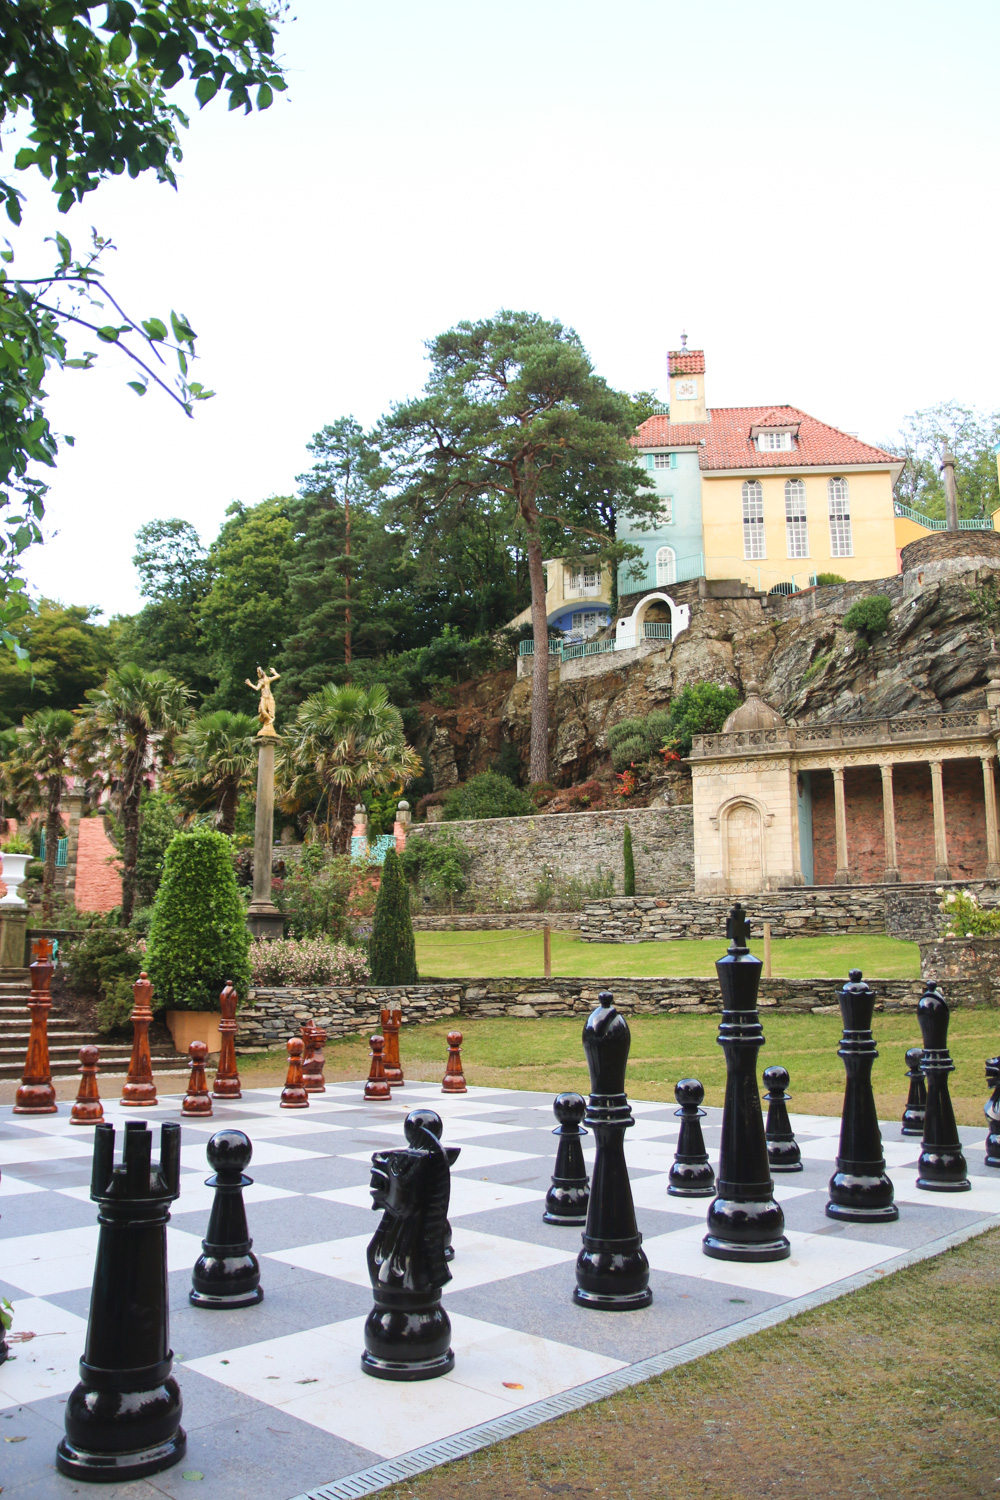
pixel 941 870
pixel 992 840
pixel 891 873
pixel 263 917
pixel 843 875
pixel 73 803
pixel 401 825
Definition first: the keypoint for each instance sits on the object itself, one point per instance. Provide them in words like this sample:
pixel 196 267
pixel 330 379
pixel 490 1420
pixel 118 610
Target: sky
pixel 809 191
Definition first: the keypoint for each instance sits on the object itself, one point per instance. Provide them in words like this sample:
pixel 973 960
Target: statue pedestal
pixel 265 920
pixel 13 922
pixel 263 917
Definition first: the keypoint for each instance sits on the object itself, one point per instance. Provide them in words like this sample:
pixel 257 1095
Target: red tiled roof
pixel 728 444
pixel 686 361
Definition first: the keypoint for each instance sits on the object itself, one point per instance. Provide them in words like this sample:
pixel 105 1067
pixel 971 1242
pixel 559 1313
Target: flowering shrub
pixel 312 960
pixel 964 917
pixel 627 782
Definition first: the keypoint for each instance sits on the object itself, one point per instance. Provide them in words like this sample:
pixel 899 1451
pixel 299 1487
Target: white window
pixel 586 581
pixel 666 566
pixel 661 460
pixel 774 442
pixel 753 519
pixel 586 622
pixel 841 543
pixel 666 515
pixel 796 530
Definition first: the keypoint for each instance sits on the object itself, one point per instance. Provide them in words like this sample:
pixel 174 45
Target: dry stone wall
pixel 507 921
pixel 804 912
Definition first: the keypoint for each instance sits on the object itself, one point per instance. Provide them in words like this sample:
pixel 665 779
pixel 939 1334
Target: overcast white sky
pixel 810 191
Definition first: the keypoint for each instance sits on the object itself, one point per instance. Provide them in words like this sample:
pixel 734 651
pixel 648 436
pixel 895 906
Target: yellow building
pixel 577 599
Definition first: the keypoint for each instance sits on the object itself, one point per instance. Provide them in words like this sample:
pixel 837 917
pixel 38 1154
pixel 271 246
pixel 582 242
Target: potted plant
pixel 16 852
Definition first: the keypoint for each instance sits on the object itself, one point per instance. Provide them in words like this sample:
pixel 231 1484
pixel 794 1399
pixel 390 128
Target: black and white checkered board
pixel 275 1403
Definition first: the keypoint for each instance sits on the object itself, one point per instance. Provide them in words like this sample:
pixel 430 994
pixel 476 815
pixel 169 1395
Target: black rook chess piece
pixel 227 1273
pixel 916 1098
pixel 408 1332
pixel 942 1167
pixel 860 1190
pixel 783 1152
pixel 566 1200
pixel 991 1109
pixel 744 1222
pixel 612 1271
pixel 691 1175
pixel 123 1420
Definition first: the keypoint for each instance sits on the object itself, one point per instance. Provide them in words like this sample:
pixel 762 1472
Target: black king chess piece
pixel 566 1200
pixel 783 1153
pixel 123 1420
pixel 227 1273
pixel 941 1167
pixel 916 1096
pixel 691 1175
pixel 408 1332
pixel 991 1109
pixel 744 1222
pixel 612 1271
pixel 860 1190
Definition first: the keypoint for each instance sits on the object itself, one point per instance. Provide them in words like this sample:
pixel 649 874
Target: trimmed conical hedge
pixel 392 954
pixel 628 886
pixel 198 938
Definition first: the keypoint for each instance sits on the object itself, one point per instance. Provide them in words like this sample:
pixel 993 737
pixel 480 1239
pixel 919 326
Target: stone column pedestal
pixel 263 917
pixel 843 874
pixel 941 868
pixel 13 925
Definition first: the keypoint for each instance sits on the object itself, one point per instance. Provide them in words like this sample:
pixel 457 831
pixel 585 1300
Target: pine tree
pixel 392 955
pixel 628 888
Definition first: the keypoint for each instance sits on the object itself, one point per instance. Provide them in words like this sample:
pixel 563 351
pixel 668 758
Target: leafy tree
pixel 215 760
pixel 174 577
pixel 198 939
pixel 868 618
pixel 243 618
pixel 972 437
pixel 315 893
pixel 105 962
pixel 699 708
pixel 69 653
pixel 486 796
pixel 158 824
pixel 628 882
pixel 392 952
pixel 439 865
pixel 36 773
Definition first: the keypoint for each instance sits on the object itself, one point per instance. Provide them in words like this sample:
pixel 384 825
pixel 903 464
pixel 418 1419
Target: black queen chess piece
pixel 860 1189
pixel 991 1109
pixel 744 1222
pixel 941 1167
pixel 408 1332
pixel 612 1272
pixel 123 1420
pixel 916 1095
pixel 691 1174
pixel 567 1198
pixel 227 1273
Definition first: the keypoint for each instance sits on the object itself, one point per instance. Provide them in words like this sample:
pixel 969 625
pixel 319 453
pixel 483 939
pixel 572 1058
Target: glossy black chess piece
pixel 744 1222
pixel 916 1097
pixel 783 1152
pixel 691 1175
pixel 408 1332
pixel 4 1346
pixel 942 1166
pixel 991 1109
pixel 612 1271
pixel 227 1273
pixel 123 1420
pixel 860 1190
pixel 567 1198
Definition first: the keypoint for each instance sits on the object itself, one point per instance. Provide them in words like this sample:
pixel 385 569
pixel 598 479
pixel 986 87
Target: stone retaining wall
pixel 807 912
pixel 971 963
pixel 508 921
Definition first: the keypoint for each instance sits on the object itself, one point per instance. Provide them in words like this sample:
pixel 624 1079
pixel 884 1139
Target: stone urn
pixel 12 868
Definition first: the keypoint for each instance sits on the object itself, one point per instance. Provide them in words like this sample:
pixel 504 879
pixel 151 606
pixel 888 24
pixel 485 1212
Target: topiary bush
pixel 699 708
pixel 628 883
pixel 198 938
pixel 392 954
pixel 486 796
pixel 868 618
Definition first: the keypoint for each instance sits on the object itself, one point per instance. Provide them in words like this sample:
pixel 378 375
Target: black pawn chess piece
pixel 691 1175
pixel 783 1152
pixel 991 1109
pixel 744 1222
pixel 612 1271
pixel 916 1097
pixel 227 1273
pixel 408 1332
pixel 942 1167
pixel 567 1198
pixel 123 1420
pixel 860 1190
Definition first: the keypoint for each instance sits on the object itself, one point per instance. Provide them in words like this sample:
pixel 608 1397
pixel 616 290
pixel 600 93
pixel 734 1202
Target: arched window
pixel 666 566
pixel 796 530
pixel 753 519
pixel 839 497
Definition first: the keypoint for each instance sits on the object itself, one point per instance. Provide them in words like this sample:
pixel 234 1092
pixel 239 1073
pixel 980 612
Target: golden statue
pixel 265 708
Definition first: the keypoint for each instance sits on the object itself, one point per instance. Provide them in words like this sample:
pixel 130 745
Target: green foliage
pixel 556 892
pixel 972 437
pixel 315 892
pixel 36 774
pixel 243 618
pixel 105 963
pixel 307 961
pixel 68 653
pixel 628 880
pixel 868 618
pixel 816 666
pixel 629 743
pixel 158 824
pixel 198 940
pixel 215 762
pixel 699 708
pixel 824 579
pixel 15 843
pixel 6 1314
pixel 437 866
pixel 964 917
pixel 508 762
pixel 486 796
pixel 391 948
pixel 381 810
pixel 174 577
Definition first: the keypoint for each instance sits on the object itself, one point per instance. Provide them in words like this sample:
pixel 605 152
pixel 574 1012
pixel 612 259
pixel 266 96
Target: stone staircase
pixel 65 1038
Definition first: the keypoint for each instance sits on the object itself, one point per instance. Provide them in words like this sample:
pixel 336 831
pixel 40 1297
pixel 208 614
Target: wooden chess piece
pixel 227 1273
pixel 226 1083
pixel 88 1108
pixel 691 1174
pixel 783 1151
pixel 312 1059
pixel 197 1100
pixel 392 1019
pixel 916 1097
pixel 377 1087
pixel 293 1095
pixel 139 1088
pixel 454 1079
pixel 36 1095
pixel 941 1167
pixel 318 1060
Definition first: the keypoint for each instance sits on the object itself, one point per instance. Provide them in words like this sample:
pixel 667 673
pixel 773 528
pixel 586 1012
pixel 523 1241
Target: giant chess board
pixel 275 1404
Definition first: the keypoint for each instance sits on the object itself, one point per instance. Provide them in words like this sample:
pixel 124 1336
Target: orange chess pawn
pixel 377 1087
pixel 197 1100
pixel 293 1095
pixel 454 1079
pixel 88 1108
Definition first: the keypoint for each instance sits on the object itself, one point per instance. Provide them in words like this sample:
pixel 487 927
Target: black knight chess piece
pixel 612 1271
pixel 860 1190
pixel 408 1332
pixel 783 1152
pixel 916 1097
pixel 227 1273
pixel 567 1198
pixel 123 1420
pixel 744 1222
pixel 991 1109
pixel 691 1175
pixel 942 1167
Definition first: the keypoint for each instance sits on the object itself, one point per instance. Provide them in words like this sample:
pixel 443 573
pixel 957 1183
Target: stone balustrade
pixel 850 732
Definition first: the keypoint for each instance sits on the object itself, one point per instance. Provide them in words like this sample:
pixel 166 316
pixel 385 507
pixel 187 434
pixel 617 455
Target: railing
pixel 563 650
pixel 372 851
pixel 62 847
pixel 656 630
pixel 846 732
pixel 978 523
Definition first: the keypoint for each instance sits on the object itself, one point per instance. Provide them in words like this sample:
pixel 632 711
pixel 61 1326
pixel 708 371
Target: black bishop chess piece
pixel 860 1190
pixel 123 1420
pixel 744 1222
pixel 408 1332
pixel 991 1109
pixel 567 1198
pixel 691 1175
pixel 916 1096
pixel 942 1166
pixel 783 1153
pixel 612 1271
pixel 227 1273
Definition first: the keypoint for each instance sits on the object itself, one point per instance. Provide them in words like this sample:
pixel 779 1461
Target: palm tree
pixel 215 759
pixel 35 774
pixel 344 741
pixel 118 733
